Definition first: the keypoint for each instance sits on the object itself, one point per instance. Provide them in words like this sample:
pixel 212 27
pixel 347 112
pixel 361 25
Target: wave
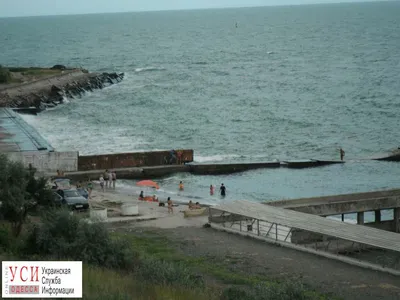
pixel 200 63
pixel 227 157
pixel 149 69
pixel 212 158
pixel 220 73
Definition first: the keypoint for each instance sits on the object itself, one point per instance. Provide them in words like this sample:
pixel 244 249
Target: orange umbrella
pixel 148 183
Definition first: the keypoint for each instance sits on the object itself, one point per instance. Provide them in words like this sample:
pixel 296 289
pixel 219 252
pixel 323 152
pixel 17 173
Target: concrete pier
pixel 358 203
pixel 21 142
pixel 311 163
pixel 217 169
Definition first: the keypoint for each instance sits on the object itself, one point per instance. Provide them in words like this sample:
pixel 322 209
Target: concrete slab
pixel 16 135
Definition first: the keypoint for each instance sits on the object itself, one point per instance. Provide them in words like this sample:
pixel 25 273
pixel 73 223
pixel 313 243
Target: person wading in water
pixel 222 190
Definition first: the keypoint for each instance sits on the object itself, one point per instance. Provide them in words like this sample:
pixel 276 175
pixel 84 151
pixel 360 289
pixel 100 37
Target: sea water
pixel 294 82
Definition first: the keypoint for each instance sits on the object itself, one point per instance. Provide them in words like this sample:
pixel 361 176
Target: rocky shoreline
pixel 34 97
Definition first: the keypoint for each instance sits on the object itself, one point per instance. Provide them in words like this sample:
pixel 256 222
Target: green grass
pixel 41 72
pixel 105 284
pixel 99 284
pixel 158 247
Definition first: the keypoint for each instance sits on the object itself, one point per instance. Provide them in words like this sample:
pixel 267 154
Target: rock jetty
pixel 35 96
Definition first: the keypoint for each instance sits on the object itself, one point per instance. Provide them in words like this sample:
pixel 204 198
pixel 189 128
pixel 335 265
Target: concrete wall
pixel 208 169
pixel 45 161
pixel 337 208
pixel 383 225
pixel 334 199
pixel 130 160
pixel 305 237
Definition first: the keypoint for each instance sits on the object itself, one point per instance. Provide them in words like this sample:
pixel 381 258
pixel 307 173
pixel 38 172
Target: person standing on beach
pixel 170 208
pixel 106 178
pixel 102 183
pixel 113 178
pixel 90 188
pixel 222 190
pixel 342 153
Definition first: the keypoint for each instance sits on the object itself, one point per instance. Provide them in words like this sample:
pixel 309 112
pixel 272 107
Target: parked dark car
pixel 83 192
pixel 61 184
pixel 72 198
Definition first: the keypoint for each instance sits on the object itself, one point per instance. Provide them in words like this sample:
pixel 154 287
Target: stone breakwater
pixel 36 96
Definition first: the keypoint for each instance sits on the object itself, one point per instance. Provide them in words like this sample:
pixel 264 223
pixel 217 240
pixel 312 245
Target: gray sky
pixel 11 8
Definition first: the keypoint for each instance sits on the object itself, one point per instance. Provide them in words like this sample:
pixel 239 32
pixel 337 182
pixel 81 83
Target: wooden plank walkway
pixel 312 223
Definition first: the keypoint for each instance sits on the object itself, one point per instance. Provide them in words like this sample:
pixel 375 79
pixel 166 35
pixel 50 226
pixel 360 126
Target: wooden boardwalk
pixel 311 223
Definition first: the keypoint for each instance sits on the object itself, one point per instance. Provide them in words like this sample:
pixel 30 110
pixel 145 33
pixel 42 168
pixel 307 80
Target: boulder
pixel 59 67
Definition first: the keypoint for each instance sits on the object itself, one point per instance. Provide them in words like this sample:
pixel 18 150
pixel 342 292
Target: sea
pixel 235 85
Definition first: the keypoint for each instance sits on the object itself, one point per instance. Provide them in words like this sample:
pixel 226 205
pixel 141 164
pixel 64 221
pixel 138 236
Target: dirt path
pixel 257 257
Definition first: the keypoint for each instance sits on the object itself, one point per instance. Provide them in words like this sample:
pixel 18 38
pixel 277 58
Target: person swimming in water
pixel 211 189
pixel 181 186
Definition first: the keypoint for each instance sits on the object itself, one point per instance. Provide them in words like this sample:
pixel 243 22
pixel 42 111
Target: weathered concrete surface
pixel 44 161
pixel 213 169
pixel 312 163
pixel 292 203
pixel 383 225
pixel 17 135
pixel 350 203
pixel 134 159
pixel 354 206
pixel 393 155
pixel 128 173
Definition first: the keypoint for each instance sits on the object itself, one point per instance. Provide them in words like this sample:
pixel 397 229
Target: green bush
pixel 284 291
pixel 167 273
pixel 62 235
pixel 20 193
pixel 5 238
pixel 5 75
pixel 18 69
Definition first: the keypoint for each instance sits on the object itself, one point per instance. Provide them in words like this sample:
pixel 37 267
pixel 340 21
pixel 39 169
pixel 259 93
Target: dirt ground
pixel 260 258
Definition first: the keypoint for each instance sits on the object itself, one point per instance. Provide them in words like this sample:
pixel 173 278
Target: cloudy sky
pixel 10 8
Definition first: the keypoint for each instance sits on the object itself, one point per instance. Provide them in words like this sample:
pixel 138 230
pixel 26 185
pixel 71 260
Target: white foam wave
pixel 148 69
pixel 214 158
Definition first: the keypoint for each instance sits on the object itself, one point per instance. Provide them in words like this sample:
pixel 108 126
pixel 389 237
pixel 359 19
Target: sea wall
pixel 46 162
pixel 137 159
pixel 36 96
pixel 217 169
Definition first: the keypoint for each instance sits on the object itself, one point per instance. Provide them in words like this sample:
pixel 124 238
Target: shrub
pixel 63 235
pixel 167 273
pixel 5 75
pixel 20 192
pixel 284 291
pixel 15 202
pixel 5 238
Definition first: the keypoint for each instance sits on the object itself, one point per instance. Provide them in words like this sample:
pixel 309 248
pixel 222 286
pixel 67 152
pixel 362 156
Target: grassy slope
pixel 106 284
pixel 156 246
pixel 101 283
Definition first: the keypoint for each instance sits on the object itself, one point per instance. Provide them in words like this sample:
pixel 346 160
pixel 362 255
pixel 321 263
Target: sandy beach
pixel 150 213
